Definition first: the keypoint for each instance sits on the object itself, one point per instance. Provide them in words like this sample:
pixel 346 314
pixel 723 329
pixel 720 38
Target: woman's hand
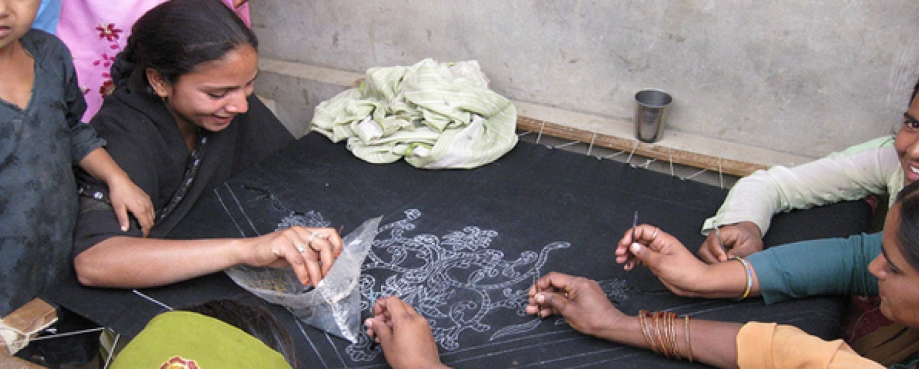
pixel 579 300
pixel 677 268
pixel 127 197
pixel 741 240
pixel 123 193
pixel 404 335
pixel 587 309
pixel 309 251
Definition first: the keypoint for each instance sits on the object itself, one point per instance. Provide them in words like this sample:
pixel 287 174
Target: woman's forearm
pixel 727 280
pixel 130 262
pixel 100 165
pixel 713 343
pixel 734 279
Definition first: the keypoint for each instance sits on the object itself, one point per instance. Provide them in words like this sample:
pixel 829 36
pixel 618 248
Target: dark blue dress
pixel 39 146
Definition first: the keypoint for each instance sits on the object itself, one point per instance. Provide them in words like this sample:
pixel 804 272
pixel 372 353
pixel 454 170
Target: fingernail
pixel 124 228
pixel 540 298
pixel 368 323
pixel 635 247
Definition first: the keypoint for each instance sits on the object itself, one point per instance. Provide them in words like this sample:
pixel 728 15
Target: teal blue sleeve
pixel 833 266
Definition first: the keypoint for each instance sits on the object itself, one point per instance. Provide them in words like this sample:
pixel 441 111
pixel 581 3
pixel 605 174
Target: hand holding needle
pixel 720 240
pixel 631 263
pixel 634 225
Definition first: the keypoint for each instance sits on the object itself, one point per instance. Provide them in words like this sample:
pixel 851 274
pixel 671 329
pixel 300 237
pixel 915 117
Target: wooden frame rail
pixel 660 152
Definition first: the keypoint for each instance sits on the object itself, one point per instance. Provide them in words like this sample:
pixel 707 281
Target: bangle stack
pixel 749 270
pixel 659 330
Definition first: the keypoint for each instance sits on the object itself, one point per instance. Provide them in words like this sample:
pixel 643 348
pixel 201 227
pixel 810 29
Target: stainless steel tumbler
pixel 650 114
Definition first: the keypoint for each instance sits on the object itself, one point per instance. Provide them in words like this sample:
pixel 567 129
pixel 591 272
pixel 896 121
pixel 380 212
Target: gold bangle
pixel 671 323
pixel 658 316
pixel 661 334
pixel 655 333
pixel 686 333
pixel 749 271
pixel 667 334
pixel 645 329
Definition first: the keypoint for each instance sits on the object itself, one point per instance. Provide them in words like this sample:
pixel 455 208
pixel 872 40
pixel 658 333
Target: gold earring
pixel 157 88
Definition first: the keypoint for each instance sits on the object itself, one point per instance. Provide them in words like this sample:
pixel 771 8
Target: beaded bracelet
pixel 686 331
pixel 749 270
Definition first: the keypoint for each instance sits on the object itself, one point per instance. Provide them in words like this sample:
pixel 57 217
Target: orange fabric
pixel 769 345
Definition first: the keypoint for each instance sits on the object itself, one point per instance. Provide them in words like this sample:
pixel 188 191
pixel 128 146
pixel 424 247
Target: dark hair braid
pixel 254 320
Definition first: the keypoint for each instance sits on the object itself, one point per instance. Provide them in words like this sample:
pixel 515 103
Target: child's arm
pixel 125 195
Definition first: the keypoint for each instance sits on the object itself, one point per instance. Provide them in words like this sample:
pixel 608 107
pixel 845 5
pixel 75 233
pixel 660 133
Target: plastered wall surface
pixel 799 77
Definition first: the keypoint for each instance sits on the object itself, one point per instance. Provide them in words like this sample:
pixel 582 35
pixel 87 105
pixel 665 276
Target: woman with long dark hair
pixel 181 121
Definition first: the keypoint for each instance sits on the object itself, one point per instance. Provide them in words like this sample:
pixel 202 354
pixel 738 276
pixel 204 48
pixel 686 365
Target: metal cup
pixel 649 114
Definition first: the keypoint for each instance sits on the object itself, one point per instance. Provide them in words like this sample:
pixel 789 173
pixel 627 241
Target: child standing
pixel 41 140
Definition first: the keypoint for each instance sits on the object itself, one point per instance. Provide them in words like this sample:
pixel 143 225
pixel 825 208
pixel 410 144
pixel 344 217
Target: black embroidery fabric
pixel 462 245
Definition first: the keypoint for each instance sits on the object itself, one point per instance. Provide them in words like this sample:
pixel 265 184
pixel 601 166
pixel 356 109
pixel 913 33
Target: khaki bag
pixel 874 336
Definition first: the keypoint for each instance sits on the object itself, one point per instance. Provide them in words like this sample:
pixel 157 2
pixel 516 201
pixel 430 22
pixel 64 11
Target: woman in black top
pixel 181 121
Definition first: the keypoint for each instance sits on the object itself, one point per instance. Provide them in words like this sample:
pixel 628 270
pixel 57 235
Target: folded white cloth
pixel 435 115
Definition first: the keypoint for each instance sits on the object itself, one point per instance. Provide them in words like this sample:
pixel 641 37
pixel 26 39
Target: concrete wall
pixel 798 77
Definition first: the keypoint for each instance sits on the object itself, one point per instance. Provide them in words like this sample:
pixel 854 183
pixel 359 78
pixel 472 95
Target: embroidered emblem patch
pixel 178 362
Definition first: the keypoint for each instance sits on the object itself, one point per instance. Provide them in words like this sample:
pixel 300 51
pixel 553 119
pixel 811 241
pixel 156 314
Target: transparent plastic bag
pixel 334 304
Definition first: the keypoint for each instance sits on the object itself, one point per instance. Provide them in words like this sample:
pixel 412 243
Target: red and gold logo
pixel 178 362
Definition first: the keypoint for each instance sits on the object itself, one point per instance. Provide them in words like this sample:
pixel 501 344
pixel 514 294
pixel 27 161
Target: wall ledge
pixel 676 147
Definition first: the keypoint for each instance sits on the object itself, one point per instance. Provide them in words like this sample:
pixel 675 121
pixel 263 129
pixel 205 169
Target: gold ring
pixel 654 235
pixel 300 248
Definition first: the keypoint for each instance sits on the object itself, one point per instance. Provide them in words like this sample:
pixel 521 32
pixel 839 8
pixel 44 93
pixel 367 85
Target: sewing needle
pixel 634 225
pixel 634 238
pixel 720 240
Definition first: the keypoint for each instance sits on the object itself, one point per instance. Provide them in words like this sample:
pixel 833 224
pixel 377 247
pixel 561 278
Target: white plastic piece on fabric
pixel 334 304
pixel 367 129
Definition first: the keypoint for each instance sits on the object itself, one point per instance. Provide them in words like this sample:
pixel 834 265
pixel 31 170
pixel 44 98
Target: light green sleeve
pixel 867 169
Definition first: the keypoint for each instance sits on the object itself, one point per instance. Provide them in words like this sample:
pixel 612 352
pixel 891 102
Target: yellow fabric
pixel 187 340
pixel 769 345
